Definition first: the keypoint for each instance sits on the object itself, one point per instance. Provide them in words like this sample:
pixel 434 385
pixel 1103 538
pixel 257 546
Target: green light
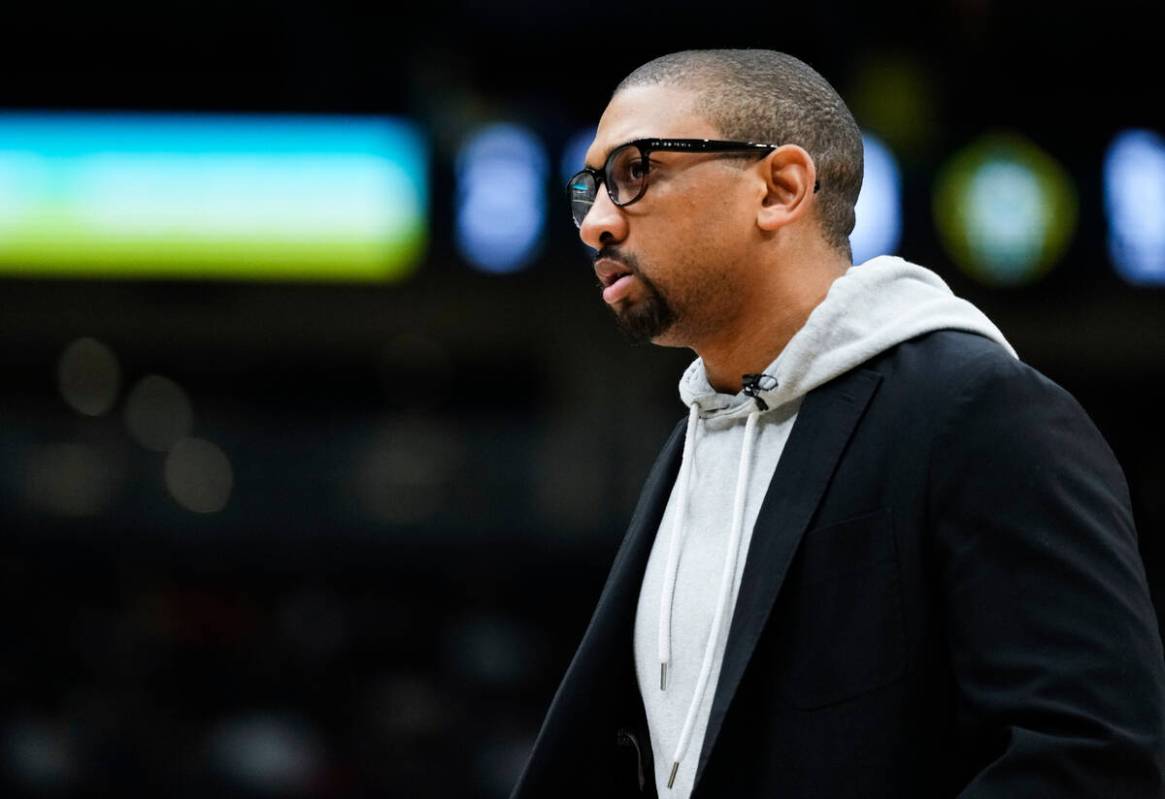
pixel 1005 210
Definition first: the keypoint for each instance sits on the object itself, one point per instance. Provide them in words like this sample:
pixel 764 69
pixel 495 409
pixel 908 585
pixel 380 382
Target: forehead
pixel 648 112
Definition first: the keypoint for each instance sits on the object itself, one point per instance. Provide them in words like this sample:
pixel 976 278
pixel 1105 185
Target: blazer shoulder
pixel 950 373
pixel 954 361
pixel 970 383
pixel 950 352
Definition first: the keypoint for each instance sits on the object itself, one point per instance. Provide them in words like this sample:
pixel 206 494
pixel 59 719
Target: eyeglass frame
pixel 646 147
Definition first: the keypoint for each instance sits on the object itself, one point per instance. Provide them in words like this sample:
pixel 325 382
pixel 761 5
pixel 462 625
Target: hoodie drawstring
pixel 673 552
pixel 726 580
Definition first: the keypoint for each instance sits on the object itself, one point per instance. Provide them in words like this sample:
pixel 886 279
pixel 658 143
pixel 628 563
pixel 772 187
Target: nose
pixel 604 223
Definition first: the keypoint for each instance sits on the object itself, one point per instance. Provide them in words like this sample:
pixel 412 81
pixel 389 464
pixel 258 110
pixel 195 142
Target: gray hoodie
pixel 730 453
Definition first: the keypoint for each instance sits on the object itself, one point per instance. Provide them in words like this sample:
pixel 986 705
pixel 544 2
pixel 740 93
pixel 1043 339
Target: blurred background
pixel 316 441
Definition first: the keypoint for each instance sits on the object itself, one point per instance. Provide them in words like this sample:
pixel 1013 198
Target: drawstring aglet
pixel 663 676
pixel 672 779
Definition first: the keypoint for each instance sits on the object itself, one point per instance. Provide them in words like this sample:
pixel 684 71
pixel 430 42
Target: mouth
pixel 610 272
pixel 615 280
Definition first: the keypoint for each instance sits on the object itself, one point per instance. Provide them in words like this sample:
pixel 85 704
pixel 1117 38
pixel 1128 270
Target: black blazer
pixel 943 597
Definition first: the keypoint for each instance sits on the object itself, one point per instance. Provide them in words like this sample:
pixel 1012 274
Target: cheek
pixel 692 234
pixel 706 231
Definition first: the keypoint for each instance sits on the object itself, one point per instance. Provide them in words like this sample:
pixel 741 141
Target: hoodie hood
pixel 869 309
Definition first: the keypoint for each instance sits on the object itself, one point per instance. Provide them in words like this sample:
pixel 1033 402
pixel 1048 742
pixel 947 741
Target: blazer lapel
pixel 825 422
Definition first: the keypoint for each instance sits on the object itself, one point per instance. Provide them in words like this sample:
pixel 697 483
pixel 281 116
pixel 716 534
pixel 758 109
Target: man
pixel 881 557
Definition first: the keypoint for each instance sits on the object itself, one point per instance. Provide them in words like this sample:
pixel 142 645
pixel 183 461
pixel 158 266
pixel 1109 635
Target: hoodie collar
pixel 870 308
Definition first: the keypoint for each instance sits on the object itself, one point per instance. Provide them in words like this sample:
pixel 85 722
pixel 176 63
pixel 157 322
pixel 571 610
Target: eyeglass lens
pixel 582 195
pixel 625 174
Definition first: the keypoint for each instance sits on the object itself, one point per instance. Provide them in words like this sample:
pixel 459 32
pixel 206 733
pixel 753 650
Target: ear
pixel 790 179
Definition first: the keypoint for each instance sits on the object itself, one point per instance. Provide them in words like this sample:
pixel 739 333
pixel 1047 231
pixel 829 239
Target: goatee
pixel 649 316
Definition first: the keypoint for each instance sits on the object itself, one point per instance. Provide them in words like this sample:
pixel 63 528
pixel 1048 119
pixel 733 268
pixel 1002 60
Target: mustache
pixel 613 253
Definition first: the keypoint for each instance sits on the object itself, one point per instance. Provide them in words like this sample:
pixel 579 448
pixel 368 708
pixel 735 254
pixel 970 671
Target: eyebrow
pixel 607 154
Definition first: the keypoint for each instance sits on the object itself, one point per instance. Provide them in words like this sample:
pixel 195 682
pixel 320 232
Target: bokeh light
pixel 158 413
pixel 267 753
pixel 490 649
pixel 41 755
pixel 501 198
pixel 89 376
pixel 893 93
pixel 405 473
pixel 878 214
pixel 1134 201
pixel 198 475
pixel 70 479
pixel 1005 210
pixel 574 153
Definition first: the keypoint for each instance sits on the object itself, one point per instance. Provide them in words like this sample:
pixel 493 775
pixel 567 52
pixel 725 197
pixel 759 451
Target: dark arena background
pixel 316 441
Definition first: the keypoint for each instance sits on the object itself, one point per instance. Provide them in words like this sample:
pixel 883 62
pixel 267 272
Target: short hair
pixel 766 96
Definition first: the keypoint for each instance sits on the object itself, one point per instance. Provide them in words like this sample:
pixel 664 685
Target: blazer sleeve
pixel 1051 634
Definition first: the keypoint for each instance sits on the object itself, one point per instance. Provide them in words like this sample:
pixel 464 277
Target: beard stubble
pixel 648 317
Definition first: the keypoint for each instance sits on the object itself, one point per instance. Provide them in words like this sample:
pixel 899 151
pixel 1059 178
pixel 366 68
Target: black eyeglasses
pixel 628 166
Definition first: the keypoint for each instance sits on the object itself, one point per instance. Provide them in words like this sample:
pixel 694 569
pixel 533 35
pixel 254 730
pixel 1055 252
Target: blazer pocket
pixel 840 628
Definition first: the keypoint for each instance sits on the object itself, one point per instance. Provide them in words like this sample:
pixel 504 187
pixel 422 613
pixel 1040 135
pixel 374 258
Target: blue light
pixel 574 152
pixel 878 224
pixel 1134 201
pixel 501 188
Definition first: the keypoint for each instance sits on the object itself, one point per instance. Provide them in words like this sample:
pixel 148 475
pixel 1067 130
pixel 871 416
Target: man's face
pixel 667 263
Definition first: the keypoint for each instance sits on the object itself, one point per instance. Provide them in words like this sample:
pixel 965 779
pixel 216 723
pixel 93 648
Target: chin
pixel 648 318
pixel 668 338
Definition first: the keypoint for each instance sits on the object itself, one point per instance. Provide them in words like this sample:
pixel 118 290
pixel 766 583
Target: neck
pixel 774 311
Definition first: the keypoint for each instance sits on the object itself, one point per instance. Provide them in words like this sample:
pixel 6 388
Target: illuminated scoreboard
pixel 211 196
